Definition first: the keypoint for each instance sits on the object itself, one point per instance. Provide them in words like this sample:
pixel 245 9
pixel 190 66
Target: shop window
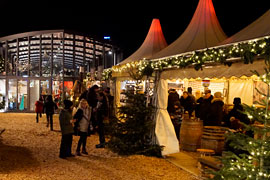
pixel 12 94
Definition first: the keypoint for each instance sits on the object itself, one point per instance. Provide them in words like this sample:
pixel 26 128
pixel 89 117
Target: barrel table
pixel 190 135
pixel 213 138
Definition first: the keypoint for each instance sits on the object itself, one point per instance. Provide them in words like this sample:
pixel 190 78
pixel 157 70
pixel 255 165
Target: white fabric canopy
pixel 164 129
pixel 203 31
pixel 243 89
pixel 153 43
pixel 259 28
pixel 237 69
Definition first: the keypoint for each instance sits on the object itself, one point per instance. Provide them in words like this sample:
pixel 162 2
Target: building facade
pixel 42 63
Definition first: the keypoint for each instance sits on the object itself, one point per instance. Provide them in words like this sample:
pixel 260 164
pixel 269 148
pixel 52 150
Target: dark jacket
pixel 187 103
pixel 50 107
pixel 204 108
pixel 172 98
pixel 65 117
pixel 102 111
pixel 236 112
pixel 215 115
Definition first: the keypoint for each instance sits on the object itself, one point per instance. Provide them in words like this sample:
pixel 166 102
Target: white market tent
pixel 153 43
pixel 203 31
pixel 259 28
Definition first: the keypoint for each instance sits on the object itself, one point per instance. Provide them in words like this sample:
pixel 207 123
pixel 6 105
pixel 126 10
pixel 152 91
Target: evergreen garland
pixel 250 158
pixel 130 132
pixel 245 50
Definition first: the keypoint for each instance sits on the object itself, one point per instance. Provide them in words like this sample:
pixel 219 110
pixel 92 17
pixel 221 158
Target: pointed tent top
pixel 203 31
pixel 257 29
pixel 153 43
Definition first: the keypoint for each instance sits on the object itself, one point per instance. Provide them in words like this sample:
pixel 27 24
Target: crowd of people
pixel 208 108
pixel 84 120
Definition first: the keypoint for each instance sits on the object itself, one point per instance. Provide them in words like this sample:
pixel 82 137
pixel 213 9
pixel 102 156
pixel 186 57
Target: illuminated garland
pixel 245 50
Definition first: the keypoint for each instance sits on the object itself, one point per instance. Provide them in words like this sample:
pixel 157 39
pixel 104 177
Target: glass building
pixel 40 63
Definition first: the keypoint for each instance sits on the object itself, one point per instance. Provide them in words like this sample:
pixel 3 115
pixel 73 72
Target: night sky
pixel 127 23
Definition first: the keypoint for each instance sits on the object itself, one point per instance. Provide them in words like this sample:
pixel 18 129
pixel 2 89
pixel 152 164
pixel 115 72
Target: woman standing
pixel 65 118
pixel 82 116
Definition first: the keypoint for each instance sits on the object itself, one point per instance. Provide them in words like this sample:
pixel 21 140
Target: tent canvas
pixel 203 31
pixel 153 43
pixel 259 28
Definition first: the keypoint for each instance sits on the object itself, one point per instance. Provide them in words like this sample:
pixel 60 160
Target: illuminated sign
pixel 107 37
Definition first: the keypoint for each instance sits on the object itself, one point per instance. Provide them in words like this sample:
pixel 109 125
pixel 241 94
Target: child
pixel 65 118
pixel 177 117
pixel 82 116
pixel 102 111
pixel 39 107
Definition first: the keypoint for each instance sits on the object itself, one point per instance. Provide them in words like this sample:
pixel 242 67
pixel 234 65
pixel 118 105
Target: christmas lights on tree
pixel 250 154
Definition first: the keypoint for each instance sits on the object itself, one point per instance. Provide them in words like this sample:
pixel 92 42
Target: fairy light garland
pixel 246 50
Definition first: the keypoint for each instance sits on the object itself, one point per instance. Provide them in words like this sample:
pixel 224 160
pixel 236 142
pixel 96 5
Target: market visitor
pixel 176 117
pixel 101 112
pixel 235 115
pixel 172 98
pixel 187 102
pixel 203 106
pixel 49 109
pixel 39 108
pixel 66 127
pixel 83 125
pixel 109 101
pixel 216 111
pixel 189 90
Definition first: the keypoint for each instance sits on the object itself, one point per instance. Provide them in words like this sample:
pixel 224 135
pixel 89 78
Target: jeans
pixel 40 114
pixel 82 141
pixel 50 120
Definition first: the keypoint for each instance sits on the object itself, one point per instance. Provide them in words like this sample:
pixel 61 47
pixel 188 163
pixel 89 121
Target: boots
pixel 84 152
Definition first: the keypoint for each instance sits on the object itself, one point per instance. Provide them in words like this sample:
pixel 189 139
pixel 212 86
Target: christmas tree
pixel 249 157
pixel 130 132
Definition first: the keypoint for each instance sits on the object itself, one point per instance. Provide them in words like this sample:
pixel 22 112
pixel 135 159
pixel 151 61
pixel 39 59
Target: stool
pixel 205 152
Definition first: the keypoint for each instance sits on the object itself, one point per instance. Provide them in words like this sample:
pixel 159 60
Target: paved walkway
pixel 185 161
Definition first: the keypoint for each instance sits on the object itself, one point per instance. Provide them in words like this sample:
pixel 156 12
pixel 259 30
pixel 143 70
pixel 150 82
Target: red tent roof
pixel 203 31
pixel 153 43
pixel 257 29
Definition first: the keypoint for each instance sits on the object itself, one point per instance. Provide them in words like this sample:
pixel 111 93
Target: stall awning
pixel 236 69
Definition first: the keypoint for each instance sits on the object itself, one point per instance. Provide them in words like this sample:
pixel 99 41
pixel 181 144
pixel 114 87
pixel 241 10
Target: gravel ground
pixel 28 150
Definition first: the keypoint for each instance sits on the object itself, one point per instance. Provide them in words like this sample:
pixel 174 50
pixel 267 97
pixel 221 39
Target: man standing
pixel 204 104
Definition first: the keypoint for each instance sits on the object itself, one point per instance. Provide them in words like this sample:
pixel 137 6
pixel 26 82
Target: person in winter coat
pixel 203 106
pixel 65 118
pixel 216 111
pixel 236 116
pixel 83 116
pixel 187 102
pixel 101 111
pixel 39 108
pixel 172 98
pixel 49 108
pixel 177 117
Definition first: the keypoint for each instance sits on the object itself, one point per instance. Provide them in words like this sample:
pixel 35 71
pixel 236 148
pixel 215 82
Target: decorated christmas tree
pixel 131 130
pixel 249 155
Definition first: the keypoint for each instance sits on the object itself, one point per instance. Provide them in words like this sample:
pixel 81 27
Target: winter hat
pixel 68 104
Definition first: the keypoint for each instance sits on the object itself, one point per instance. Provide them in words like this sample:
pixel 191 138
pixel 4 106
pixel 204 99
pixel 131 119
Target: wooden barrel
pixel 213 138
pixel 190 135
